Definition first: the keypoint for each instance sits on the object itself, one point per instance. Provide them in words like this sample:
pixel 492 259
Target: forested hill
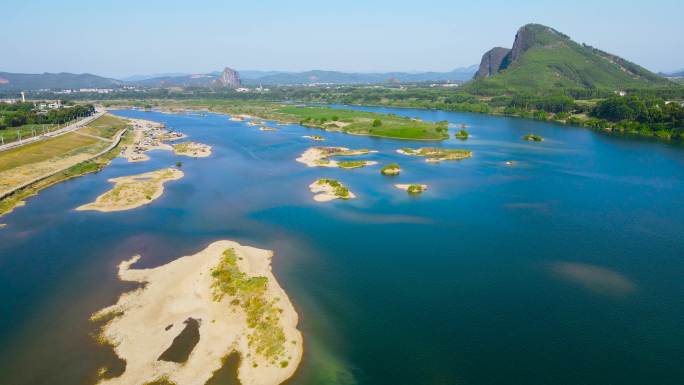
pixel 543 60
pixel 54 81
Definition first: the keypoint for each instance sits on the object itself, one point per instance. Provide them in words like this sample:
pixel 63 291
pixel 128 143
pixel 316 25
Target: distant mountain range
pixel 13 81
pixel 310 77
pixel 676 74
pixel 543 60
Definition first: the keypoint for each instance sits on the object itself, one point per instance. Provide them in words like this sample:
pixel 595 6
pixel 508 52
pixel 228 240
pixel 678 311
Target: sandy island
pixel 192 149
pixel 434 155
pixel 412 188
pixel 146 321
pixel 314 137
pixel 266 128
pixel 133 191
pixel 147 136
pixel 320 157
pixel 329 189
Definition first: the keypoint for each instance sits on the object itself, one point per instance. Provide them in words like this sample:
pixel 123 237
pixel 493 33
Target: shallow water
pixel 565 268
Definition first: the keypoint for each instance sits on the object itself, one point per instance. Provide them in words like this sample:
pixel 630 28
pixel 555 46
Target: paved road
pixel 115 142
pixel 61 131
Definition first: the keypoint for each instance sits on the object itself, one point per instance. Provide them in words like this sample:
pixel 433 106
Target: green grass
pixel 26 131
pixel 438 154
pixel 462 134
pixel 351 163
pixel 415 189
pixel 390 169
pixel 105 126
pixel 553 63
pixel 12 201
pixel 533 138
pixel 267 336
pixel 354 122
pixel 340 190
pixel 366 123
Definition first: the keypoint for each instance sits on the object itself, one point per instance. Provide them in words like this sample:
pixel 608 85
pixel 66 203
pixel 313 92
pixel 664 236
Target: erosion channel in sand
pixel 229 299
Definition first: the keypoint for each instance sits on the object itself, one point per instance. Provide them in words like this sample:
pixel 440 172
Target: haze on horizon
pixel 120 39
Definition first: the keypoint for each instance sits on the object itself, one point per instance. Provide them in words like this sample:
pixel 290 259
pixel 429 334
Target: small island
pixel 320 157
pixel 391 169
pixel 533 138
pixel 329 189
pixel 462 134
pixel 133 191
pixel 434 155
pixel 193 312
pixel 314 137
pixel 266 128
pixel 413 189
pixel 192 149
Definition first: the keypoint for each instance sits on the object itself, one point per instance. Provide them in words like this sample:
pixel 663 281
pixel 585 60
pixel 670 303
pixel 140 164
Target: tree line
pixel 19 114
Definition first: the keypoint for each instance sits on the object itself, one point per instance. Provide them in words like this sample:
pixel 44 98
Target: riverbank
pixel 146 320
pixel 26 170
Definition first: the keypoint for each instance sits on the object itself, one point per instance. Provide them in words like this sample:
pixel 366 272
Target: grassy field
pixel 71 151
pixel 350 121
pixel 105 127
pixel 12 134
pixel 366 123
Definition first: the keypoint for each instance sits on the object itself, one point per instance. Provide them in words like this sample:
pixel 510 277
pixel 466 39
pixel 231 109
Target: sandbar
pixel 145 321
pixel 133 191
pixel 326 190
pixel 192 149
pixel 320 156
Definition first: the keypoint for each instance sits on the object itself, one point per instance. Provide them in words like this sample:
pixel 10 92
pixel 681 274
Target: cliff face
pixel 543 61
pixel 492 62
pixel 229 78
pixel 535 35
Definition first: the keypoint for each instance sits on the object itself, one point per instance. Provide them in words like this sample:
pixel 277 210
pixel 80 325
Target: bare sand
pixel 192 149
pixel 325 192
pixel 133 191
pixel 148 136
pixel 182 289
pixel 320 156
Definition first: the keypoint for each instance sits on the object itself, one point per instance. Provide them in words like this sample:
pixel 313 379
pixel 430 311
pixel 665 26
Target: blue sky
pixel 121 38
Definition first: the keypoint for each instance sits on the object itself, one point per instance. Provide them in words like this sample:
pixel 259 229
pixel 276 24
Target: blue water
pixel 565 268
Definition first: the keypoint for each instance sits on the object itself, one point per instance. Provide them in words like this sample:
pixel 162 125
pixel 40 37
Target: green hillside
pixel 544 61
pixel 58 81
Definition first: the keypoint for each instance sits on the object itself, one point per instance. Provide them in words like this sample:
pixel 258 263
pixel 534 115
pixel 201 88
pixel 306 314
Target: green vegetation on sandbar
pixel 415 189
pixel 391 169
pixel 437 154
pixel 351 163
pixel 267 337
pixel 340 190
pixel 367 123
pixel 333 119
pixel 533 138
pixel 462 134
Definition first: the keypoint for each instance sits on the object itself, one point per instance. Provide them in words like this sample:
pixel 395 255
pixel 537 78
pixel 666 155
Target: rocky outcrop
pixel 229 78
pixel 531 35
pixel 492 62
